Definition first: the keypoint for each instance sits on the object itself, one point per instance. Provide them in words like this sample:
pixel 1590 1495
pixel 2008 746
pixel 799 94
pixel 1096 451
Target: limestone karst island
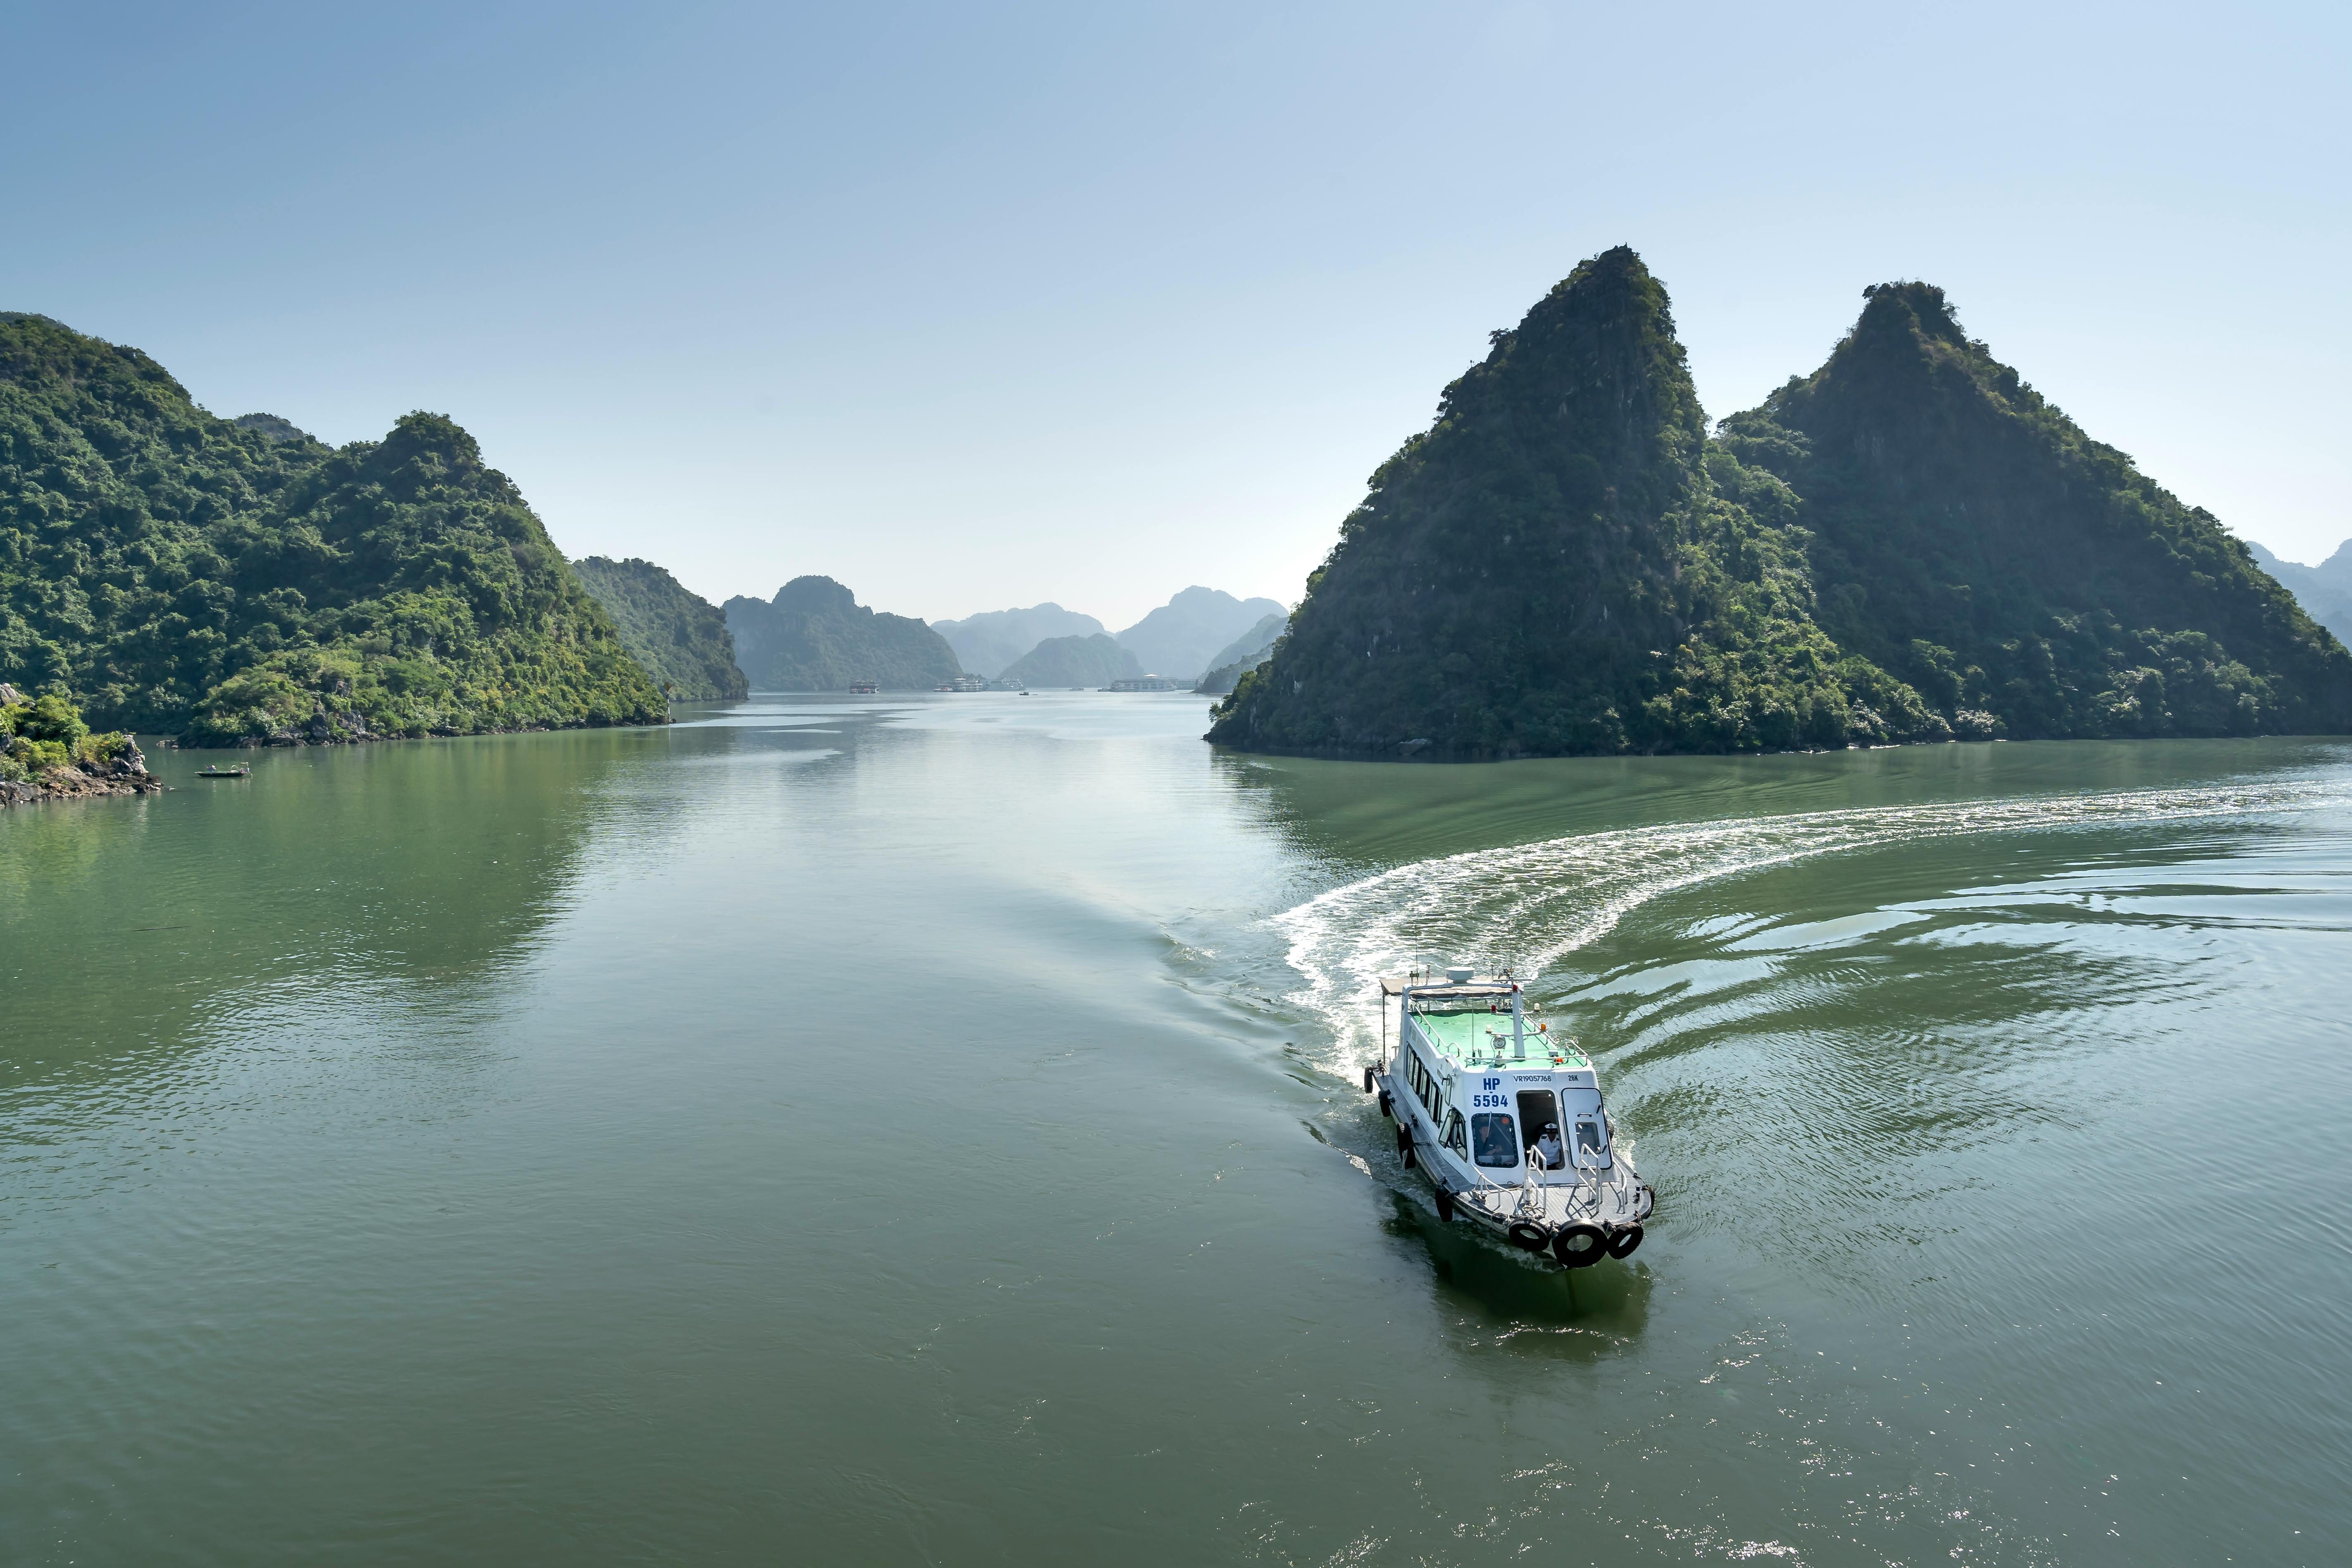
pixel 1908 544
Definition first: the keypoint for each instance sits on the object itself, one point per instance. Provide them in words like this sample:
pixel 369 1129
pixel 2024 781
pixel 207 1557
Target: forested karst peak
pixel 814 636
pixel 1551 567
pixel 680 637
pixel 1909 544
pixel 1968 535
pixel 176 571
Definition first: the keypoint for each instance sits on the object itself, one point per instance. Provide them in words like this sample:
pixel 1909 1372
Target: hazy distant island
pixel 1240 656
pixel 2323 590
pixel 1181 639
pixel 680 637
pixel 1074 661
pixel 237 580
pixel 1908 544
pixel 814 636
pixel 991 643
pixel 1184 637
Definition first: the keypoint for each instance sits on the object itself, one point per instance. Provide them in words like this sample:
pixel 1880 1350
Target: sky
pixel 971 307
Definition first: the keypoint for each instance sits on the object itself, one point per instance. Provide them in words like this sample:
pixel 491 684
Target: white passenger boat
pixel 1506 1119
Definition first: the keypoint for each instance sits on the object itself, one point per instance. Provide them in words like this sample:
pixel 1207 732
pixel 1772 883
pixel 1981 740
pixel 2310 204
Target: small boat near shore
pixel 1505 1118
pixel 240 771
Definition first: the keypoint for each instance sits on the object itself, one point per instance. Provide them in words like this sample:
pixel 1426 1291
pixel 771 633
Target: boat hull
pixel 1615 1203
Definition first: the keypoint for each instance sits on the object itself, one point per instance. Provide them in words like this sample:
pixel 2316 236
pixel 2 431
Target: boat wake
pixel 1532 904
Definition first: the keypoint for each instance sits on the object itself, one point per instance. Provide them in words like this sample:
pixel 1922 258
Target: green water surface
pixel 927 1132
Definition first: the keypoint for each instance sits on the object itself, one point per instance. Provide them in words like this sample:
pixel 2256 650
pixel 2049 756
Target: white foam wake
pixel 1530 904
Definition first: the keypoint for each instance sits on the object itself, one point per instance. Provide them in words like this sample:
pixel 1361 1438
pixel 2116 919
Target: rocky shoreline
pixel 47 754
pixel 126 775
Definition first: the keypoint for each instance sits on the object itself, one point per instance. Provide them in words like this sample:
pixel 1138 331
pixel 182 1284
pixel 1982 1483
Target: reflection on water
pixel 877 1126
pixel 1503 1297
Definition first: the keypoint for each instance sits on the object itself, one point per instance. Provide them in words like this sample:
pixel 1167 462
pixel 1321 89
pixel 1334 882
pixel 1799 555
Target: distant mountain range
pixel 987 644
pixel 1180 639
pixel 2323 590
pixel 814 636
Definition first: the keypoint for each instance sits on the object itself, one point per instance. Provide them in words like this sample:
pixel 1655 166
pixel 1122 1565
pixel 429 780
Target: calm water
pixel 925 1133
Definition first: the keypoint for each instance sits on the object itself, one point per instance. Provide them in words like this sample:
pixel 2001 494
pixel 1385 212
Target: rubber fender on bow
pixel 1526 1233
pixel 1579 1246
pixel 1388 1106
pixel 1368 1080
pixel 1444 1206
pixel 1404 1145
pixel 1627 1238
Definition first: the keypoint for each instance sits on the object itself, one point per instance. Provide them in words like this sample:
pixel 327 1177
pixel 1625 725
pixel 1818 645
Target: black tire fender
pixel 1444 1206
pixel 1388 1106
pixel 1579 1246
pixel 1526 1233
pixel 1405 1146
pixel 1627 1238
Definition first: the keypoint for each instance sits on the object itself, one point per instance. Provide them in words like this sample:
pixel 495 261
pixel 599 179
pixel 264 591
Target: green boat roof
pixel 1469 1039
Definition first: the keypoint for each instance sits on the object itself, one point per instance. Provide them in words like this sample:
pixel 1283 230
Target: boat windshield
pixel 1495 1139
pixel 1591 1142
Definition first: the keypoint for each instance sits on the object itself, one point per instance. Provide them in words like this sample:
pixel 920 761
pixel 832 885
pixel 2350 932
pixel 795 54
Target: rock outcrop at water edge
pixel 48 753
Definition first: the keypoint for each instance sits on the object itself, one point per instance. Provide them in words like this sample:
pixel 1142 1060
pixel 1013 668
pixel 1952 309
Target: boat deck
pixel 1470 1038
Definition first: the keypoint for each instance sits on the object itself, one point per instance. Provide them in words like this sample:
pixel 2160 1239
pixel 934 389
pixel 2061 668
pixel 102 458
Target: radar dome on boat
pixel 1460 976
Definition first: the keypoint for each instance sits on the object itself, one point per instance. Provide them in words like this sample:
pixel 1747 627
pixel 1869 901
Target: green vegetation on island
pixel 1910 545
pixel 236 579
pixel 1094 660
pixel 680 637
pixel 815 636
pixel 45 745
pixel 1552 568
pixel 1967 536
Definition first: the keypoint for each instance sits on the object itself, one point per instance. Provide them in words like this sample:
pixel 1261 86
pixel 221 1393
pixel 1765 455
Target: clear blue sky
pixel 971 307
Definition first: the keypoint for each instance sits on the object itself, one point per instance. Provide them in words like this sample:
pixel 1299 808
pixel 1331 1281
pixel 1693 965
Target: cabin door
pixel 1538 1111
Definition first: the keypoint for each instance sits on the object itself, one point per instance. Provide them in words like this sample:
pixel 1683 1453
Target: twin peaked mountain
pixel 1908 544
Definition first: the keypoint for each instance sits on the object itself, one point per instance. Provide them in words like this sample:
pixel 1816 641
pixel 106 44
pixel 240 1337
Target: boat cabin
pixel 1491 1085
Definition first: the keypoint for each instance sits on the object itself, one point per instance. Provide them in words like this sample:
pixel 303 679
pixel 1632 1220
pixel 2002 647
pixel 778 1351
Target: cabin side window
pixel 1591 1142
pixel 1496 1139
pixel 1456 1139
pixel 1588 1140
pixel 1425 1083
